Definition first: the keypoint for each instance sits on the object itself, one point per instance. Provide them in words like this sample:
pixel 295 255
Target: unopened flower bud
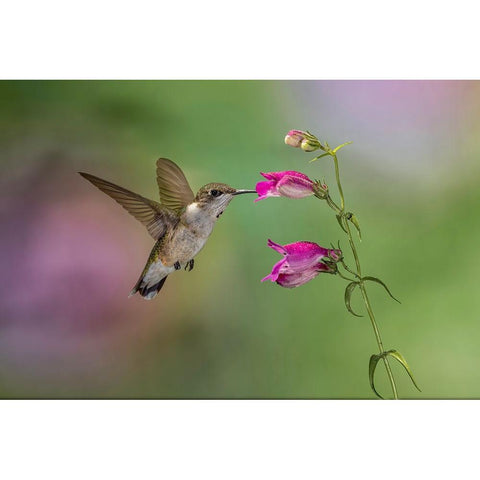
pixel 310 144
pixel 331 260
pixel 304 140
pixel 294 138
pixel 335 254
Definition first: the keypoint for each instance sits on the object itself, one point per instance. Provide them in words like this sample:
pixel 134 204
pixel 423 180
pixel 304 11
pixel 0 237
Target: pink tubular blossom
pixel 289 184
pixel 301 262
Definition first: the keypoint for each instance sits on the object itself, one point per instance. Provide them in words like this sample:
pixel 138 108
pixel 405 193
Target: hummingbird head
pixel 213 198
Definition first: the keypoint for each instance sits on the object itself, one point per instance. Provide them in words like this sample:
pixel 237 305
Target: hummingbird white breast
pixel 198 220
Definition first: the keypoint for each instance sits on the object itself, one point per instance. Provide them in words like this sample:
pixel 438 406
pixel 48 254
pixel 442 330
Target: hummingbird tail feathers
pixel 147 291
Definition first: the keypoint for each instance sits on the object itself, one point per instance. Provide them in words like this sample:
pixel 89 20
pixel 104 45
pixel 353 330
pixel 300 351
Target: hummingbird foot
pixel 177 265
pixel 190 265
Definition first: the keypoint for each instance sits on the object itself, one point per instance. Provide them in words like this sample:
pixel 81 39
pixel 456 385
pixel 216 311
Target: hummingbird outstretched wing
pixel 153 215
pixel 175 192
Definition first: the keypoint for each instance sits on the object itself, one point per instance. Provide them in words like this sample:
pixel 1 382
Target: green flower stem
pixel 362 286
pixel 333 205
pixel 337 175
pixel 354 249
pixel 345 266
pixel 379 339
pixel 339 273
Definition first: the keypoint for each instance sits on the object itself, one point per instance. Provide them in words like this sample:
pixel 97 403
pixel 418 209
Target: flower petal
pixel 294 173
pixel 305 249
pixel 295 187
pixel 294 280
pixel 278 248
pixel 279 175
pixel 303 255
pixel 266 189
pixel 275 271
pixel 269 175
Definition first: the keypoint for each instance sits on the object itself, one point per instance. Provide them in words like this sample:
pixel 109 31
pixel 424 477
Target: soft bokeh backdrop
pixel 70 255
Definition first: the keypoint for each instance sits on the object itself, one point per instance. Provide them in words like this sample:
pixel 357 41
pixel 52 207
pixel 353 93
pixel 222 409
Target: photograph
pixel 239 239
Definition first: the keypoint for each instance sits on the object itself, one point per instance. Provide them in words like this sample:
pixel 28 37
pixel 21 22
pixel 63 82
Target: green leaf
pixel 348 296
pixel 371 372
pixel 336 149
pixel 377 280
pixel 354 220
pixel 399 357
pixel 317 158
pixel 339 220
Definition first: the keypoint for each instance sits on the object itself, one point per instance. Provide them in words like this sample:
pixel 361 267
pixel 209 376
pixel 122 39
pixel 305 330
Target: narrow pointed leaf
pixel 377 280
pixel 348 296
pixel 339 220
pixel 336 149
pixel 354 220
pixel 371 372
pixel 320 156
pixel 399 357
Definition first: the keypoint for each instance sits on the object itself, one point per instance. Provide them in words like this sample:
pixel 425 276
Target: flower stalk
pixel 358 273
pixel 303 261
pixel 344 223
pixel 339 184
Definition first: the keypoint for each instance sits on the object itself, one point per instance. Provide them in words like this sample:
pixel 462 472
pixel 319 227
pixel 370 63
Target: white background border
pixel 299 439
pixel 239 439
pixel 242 40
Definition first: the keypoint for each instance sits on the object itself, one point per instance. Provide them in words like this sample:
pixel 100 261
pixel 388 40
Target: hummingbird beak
pixel 241 192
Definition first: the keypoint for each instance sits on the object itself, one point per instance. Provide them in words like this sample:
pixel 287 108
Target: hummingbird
pixel 181 223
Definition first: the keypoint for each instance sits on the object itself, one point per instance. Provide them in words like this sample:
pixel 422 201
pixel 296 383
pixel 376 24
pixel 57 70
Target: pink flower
pixel 289 184
pixel 301 262
pixel 292 280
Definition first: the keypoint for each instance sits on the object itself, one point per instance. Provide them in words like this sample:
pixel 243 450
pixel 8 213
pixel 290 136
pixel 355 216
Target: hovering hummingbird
pixel 180 224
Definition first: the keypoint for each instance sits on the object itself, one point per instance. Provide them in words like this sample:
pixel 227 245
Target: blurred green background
pixel 70 255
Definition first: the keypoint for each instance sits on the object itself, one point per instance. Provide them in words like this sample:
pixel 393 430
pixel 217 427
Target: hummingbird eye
pixel 215 193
